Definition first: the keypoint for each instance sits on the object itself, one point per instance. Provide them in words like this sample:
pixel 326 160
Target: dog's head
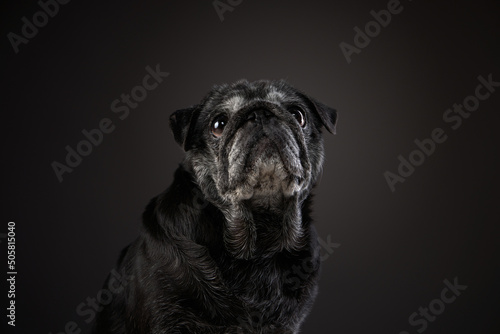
pixel 254 146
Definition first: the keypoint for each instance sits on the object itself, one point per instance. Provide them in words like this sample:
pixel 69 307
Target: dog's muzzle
pixel 265 155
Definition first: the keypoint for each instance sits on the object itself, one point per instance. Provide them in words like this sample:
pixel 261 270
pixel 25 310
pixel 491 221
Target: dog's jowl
pixel 216 248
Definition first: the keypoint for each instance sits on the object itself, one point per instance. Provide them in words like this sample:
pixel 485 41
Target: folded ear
pixel 328 116
pixel 181 124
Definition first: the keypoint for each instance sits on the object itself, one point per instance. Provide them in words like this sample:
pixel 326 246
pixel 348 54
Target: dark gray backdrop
pixel 396 248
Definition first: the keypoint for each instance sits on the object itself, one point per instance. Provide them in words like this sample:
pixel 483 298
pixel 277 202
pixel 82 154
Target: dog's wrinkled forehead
pixel 189 125
pixel 231 98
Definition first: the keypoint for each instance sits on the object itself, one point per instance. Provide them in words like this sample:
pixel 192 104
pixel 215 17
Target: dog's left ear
pixel 328 116
pixel 181 124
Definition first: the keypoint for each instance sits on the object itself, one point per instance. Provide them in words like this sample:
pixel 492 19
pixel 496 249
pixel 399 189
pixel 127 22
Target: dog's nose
pixel 259 115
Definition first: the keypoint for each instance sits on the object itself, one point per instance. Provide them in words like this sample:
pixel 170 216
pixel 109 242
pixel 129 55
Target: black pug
pixel 218 246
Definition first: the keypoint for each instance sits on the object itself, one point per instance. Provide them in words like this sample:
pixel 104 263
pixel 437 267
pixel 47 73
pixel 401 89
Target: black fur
pixel 193 269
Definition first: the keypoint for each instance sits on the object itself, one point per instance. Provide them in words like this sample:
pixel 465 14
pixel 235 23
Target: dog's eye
pixel 218 125
pixel 299 116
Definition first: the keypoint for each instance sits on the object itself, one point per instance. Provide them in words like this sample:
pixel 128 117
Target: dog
pixel 217 248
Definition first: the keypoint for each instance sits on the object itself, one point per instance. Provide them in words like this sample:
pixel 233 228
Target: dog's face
pixel 254 146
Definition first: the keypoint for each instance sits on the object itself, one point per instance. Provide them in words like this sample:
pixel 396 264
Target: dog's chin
pixel 266 179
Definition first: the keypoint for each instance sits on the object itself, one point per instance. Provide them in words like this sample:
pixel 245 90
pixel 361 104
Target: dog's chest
pixel 257 281
pixel 264 289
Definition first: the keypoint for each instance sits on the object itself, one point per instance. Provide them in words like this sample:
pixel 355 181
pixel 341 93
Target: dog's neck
pixel 251 227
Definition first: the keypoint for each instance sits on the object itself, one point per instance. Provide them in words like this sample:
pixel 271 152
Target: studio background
pixel 395 248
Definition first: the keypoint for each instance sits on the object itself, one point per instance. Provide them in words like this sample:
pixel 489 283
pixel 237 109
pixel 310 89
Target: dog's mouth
pixel 265 171
pixel 263 162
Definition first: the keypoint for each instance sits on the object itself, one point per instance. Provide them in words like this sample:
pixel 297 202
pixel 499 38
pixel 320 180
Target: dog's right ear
pixel 181 124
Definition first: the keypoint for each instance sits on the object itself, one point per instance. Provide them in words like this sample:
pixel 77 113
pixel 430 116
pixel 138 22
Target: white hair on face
pixel 234 103
pixel 275 96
